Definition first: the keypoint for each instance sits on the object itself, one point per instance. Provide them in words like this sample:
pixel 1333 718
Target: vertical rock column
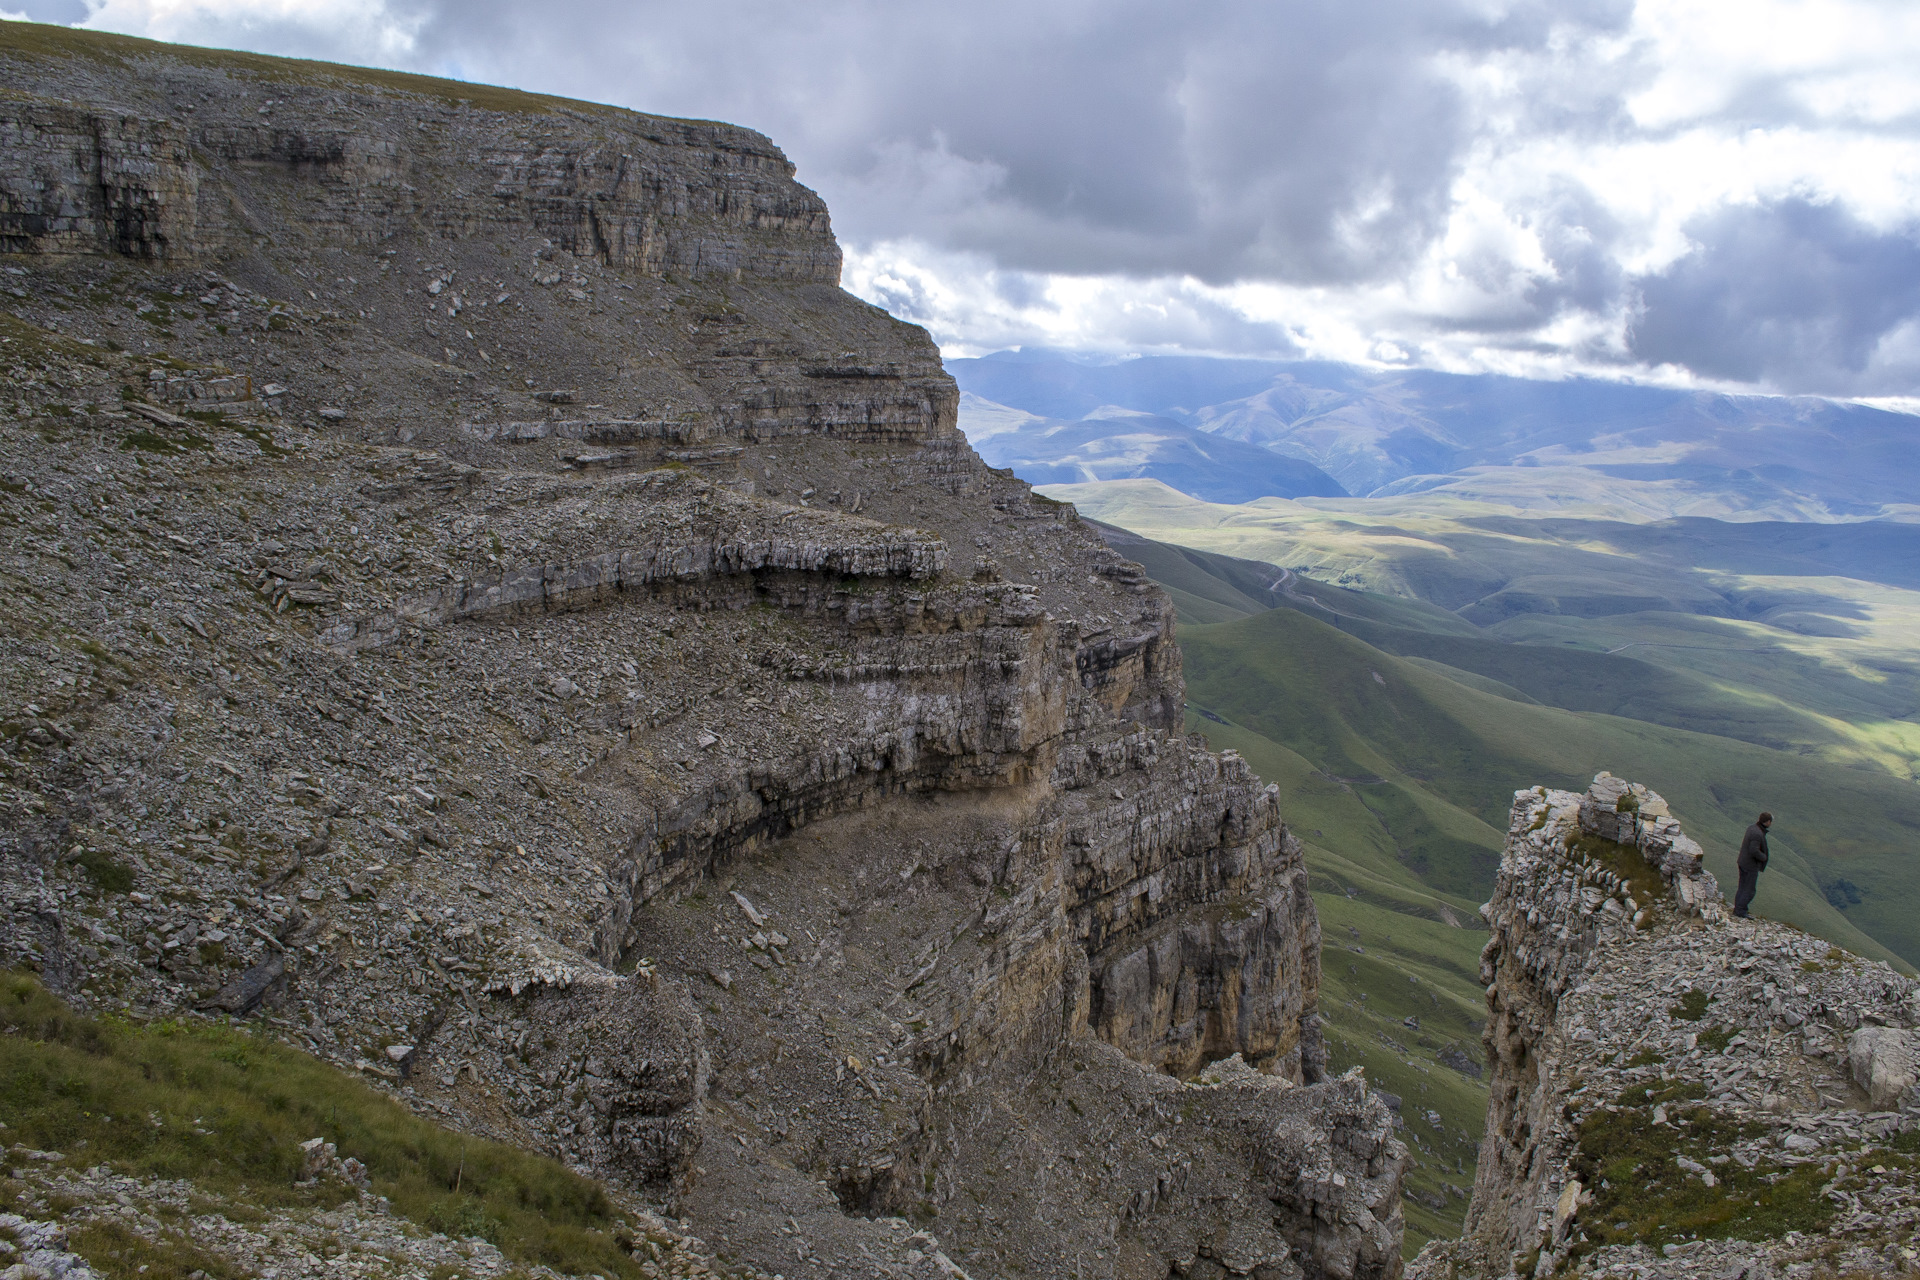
pixel 1553 903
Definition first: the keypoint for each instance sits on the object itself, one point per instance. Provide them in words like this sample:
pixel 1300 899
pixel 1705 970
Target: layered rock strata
pixel 486 606
pixel 204 170
pixel 1676 1093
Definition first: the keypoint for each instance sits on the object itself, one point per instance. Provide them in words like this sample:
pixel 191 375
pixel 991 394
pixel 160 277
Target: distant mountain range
pixel 1214 428
pixel 1112 443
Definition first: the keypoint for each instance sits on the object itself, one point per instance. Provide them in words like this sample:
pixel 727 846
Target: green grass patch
pixel 147 440
pixel 118 1252
pixel 105 870
pixel 251 430
pixel 1835 961
pixel 228 1109
pixel 262 437
pixel 27 341
pixel 1644 881
pixel 1717 1038
pixel 104 659
pixel 1692 1007
pixel 1658 1094
pixel 1642 1194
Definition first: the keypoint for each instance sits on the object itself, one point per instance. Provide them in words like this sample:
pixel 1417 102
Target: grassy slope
pixel 1792 636
pixel 1853 704
pixel 1583 678
pixel 1361 713
pixel 227 1109
pixel 1849 703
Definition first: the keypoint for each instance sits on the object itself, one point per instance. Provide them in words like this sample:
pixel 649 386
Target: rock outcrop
pixel 1675 1092
pixel 487 607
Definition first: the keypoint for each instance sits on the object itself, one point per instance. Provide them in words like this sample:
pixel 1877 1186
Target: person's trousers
pixel 1749 885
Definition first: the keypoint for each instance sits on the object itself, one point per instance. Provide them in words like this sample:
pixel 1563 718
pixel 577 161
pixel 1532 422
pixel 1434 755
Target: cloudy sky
pixel 1724 192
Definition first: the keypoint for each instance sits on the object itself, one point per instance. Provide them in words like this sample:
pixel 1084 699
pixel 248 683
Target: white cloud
pixel 1845 61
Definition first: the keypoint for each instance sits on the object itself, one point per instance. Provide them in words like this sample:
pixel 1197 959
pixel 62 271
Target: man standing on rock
pixel 1753 860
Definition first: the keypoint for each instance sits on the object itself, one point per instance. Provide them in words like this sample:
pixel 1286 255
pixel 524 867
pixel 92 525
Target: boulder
pixel 1882 1062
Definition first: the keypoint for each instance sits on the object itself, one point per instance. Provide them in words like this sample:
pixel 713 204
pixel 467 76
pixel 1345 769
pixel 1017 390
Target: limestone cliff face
pixel 1672 1090
pixel 220 161
pixel 563 660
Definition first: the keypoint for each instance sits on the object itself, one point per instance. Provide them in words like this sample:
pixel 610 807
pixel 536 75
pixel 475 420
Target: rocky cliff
pixel 1674 1092
pixel 487 608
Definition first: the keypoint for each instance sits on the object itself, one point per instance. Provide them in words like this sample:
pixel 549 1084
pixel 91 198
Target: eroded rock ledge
pixel 1676 1093
pixel 553 653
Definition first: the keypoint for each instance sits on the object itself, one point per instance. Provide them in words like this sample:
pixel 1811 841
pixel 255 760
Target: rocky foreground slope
pixel 483 603
pixel 1674 1092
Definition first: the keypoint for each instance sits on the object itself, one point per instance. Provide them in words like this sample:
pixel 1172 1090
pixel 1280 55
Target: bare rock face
pixel 490 608
pixel 205 169
pixel 1677 1093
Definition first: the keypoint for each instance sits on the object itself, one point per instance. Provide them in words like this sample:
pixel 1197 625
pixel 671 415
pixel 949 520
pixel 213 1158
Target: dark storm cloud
pixel 1011 171
pixel 1795 295
pixel 1228 139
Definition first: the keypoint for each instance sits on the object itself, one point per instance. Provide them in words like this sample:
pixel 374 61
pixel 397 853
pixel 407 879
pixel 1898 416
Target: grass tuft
pixel 1692 1007
pixel 1657 1094
pixel 105 870
pixel 147 441
pixel 1644 880
pixel 1717 1038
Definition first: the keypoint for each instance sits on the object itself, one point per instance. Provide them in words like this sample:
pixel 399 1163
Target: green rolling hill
pixel 1398 730
pixel 1413 744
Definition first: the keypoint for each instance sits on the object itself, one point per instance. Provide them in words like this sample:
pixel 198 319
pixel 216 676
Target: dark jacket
pixel 1753 850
